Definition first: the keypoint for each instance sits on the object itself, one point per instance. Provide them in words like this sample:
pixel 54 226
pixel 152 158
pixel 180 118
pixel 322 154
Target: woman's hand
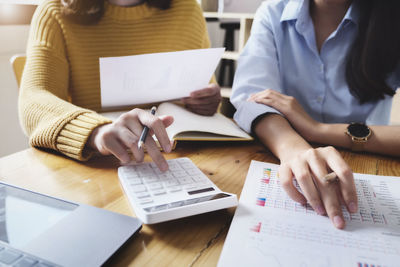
pixel 291 109
pixel 309 167
pixel 124 133
pixel 204 101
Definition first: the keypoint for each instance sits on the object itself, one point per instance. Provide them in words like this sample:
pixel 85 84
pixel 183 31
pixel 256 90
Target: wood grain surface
pixel 193 241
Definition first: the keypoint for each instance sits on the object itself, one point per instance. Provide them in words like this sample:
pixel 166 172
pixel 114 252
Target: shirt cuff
pixel 248 111
pixel 73 137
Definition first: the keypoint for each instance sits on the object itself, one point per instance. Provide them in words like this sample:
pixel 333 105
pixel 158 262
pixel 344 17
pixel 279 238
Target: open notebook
pixel 193 127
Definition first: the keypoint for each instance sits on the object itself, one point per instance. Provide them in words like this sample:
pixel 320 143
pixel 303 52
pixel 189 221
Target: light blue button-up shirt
pixel 281 54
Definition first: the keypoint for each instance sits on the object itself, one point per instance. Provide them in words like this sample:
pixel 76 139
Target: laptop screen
pixel 25 215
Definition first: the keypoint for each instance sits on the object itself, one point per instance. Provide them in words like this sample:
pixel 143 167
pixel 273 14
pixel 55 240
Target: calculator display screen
pixel 201 191
pixel 25 215
pixel 187 202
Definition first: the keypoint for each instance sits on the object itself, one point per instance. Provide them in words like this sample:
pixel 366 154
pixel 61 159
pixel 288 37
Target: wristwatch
pixel 359 134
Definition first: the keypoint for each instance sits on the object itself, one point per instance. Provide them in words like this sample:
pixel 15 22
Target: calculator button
pixel 142 195
pixel 185 180
pixel 129 169
pixel 198 178
pixel 158 172
pixel 176 204
pixel 173 189
pixel 150 179
pixel 171 182
pixel 160 207
pixel 193 171
pixel 143 168
pixel 159 192
pixel 132 175
pixel 135 181
pixel 155 186
pixel 146 201
pixel 204 184
pixel 191 201
pixel 191 187
pixel 139 188
pixel 187 165
pixel 174 167
pixel 179 174
pixel 147 173
pixel 165 176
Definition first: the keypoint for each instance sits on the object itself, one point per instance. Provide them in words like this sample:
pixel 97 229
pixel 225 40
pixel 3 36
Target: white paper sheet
pixel 269 229
pixel 149 78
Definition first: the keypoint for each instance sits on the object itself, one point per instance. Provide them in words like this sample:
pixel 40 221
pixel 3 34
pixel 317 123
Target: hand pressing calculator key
pixel 182 191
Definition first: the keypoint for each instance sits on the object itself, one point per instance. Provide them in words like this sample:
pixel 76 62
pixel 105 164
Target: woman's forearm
pixel 384 139
pixel 277 134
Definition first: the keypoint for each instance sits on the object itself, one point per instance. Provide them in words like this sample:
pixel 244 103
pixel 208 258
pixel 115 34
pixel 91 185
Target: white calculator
pixel 182 191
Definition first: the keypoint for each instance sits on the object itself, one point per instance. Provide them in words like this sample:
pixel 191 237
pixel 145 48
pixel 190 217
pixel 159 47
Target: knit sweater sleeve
pixel 46 114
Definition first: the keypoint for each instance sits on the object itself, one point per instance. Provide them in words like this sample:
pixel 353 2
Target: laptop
pixel 39 230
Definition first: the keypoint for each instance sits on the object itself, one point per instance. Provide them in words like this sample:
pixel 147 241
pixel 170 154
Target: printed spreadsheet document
pixel 269 229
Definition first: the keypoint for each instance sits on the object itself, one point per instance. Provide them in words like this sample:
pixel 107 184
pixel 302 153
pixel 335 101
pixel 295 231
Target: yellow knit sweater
pixel 60 87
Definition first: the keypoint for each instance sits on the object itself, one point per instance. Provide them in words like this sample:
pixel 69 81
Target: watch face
pixel 358 130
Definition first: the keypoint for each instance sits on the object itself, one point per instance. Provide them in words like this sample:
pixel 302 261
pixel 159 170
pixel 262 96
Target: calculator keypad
pixel 148 186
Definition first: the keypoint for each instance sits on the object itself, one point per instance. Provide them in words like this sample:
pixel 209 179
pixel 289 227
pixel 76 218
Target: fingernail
pixel 164 166
pixel 320 210
pixel 338 221
pixel 168 148
pixel 353 207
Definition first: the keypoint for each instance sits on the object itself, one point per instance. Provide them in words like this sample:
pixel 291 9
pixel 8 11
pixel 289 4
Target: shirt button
pixel 321 68
pixel 319 99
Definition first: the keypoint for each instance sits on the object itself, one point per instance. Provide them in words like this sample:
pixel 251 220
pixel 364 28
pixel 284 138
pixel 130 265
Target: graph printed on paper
pixel 375 201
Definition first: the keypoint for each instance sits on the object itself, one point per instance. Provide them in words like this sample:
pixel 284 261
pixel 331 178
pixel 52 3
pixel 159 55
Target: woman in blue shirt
pixel 311 68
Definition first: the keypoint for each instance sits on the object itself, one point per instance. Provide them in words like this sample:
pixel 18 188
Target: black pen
pixel 143 136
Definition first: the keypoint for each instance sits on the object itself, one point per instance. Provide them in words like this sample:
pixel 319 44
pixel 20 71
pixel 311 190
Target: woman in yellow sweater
pixel 60 88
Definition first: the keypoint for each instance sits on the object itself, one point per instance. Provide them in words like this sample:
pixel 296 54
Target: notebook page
pixel 186 121
pixel 276 231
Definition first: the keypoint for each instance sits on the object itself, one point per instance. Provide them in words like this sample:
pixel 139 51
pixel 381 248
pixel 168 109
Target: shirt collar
pixel 353 14
pixel 293 9
pixel 299 10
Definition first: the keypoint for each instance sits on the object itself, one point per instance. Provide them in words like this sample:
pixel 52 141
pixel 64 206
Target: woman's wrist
pixel 318 133
pixel 277 134
pixel 292 149
pixel 91 144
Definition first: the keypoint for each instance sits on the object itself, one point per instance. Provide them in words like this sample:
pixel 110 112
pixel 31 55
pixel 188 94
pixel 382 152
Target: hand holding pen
pixel 145 131
pixel 124 134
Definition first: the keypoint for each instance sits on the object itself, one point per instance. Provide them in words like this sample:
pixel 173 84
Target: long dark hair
pixel 91 11
pixel 376 50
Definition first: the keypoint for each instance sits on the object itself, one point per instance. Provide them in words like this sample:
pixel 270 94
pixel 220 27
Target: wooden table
pixel 193 241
